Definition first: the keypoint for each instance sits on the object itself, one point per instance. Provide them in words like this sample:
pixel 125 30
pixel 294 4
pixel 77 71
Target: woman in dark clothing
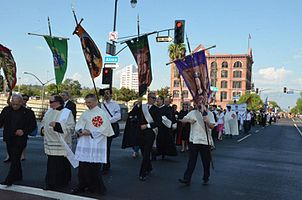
pixel 183 129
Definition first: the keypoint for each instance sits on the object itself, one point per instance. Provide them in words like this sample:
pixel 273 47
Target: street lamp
pixel 133 3
pixel 43 85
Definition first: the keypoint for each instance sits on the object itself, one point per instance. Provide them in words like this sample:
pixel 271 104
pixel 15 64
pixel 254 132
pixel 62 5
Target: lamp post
pixel 110 47
pixel 43 86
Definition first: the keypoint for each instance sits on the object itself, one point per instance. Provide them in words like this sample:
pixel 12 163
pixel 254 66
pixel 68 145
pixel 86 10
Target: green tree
pixel 126 94
pixel 73 86
pixel 253 101
pixel 298 107
pixel 164 92
pixel 177 51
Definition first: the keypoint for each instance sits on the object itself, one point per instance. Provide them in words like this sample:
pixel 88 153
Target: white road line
pixel 298 129
pixel 244 138
pixel 256 131
pixel 43 193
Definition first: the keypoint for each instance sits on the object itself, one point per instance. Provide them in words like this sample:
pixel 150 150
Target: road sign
pixel 164 39
pixel 290 92
pixel 214 89
pixel 113 36
pixel 111 65
pixel 111 59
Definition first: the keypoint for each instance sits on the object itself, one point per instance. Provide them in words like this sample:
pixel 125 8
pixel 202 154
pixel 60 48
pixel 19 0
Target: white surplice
pixel 93 148
pixel 230 123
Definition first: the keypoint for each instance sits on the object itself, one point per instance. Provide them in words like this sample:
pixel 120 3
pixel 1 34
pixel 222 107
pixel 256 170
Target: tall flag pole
pixel 248 41
pixel 8 64
pixel 91 52
pixel 140 49
pixel 59 49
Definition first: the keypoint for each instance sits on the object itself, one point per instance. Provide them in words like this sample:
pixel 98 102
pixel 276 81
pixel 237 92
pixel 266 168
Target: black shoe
pixel 77 190
pixel 49 187
pixel 206 182
pixel 6 160
pixel 183 181
pixel 7 183
pixel 142 178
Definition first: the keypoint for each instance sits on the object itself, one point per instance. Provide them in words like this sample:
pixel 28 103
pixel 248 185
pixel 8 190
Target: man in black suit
pixel 69 104
pixel 148 127
pixel 18 122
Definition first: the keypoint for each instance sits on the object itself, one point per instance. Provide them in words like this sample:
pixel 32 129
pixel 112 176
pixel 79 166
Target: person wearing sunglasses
pixel 58 126
pixel 149 120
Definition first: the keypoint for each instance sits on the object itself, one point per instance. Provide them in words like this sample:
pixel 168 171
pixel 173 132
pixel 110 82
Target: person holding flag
pixel 200 141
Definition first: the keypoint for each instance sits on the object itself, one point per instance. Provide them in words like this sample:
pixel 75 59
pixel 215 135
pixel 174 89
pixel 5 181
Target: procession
pixel 161 105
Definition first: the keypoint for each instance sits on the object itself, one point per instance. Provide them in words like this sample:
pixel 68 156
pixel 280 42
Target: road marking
pixel 43 193
pixel 298 129
pixel 244 138
pixel 256 131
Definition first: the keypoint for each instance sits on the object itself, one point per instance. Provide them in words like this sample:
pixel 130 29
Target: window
pixel 223 95
pixel 236 94
pixel 237 74
pixel 224 74
pixel 176 83
pixel 224 84
pixel 213 74
pixel 224 64
pixel 236 84
pixel 185 94
pixel 176 72
pixel 238 64
pixel 175 94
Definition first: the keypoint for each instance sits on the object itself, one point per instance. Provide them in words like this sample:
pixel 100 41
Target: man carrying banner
pixel 93 128
pixel 58 126
pixel 200 141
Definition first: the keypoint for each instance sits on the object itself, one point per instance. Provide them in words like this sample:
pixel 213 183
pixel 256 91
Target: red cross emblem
pixel 97 121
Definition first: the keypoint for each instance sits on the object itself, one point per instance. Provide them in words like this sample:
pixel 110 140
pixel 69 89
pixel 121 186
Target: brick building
pixel 231 74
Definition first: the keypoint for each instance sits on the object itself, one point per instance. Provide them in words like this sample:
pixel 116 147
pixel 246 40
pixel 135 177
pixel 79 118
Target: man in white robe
pixel 92 129
pixel 58 126
pixel 230 122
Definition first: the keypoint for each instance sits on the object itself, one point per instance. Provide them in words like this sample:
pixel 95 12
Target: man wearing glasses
pixel 149 120
pixel 58 126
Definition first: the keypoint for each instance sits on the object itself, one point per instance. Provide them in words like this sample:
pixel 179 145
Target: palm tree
pixel 177 51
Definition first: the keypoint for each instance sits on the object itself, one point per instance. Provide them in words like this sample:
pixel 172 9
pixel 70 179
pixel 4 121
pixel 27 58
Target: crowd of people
pixel 153 129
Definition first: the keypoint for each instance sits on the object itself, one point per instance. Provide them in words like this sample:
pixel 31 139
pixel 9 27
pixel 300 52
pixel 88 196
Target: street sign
pixel 113 36
pixel 111 65
pixel 290 92
pixel 164 39
pixel 214 89
pixel 111 59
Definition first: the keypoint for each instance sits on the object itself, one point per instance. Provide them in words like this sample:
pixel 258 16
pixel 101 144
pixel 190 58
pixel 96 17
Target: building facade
pixel 230 75
pixel 129 77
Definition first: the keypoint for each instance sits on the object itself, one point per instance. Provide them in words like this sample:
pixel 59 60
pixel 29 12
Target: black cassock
pixel 131 132
pixel 165 141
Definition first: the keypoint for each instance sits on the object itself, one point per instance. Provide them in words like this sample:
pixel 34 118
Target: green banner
pixel 58 47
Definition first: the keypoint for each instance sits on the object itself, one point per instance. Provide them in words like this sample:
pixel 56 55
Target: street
pixel 264 165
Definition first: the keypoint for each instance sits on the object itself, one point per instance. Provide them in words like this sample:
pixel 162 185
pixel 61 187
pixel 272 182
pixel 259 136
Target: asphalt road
pixel 264 165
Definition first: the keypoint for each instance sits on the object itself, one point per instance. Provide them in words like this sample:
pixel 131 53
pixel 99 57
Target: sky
pixel 275 29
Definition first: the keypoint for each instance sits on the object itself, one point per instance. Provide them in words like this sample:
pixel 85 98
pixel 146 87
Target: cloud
pixel 272 74
pixel 300 81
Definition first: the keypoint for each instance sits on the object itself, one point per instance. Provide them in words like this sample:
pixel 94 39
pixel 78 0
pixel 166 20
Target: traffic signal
pixel 1 83
pixel 284 89
pixel 107 76
pixel 257 90
pixel 179 31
